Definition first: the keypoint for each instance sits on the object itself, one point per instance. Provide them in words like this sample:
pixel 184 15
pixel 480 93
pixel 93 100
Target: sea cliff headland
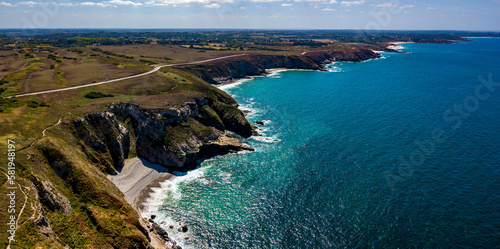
pixel 71 143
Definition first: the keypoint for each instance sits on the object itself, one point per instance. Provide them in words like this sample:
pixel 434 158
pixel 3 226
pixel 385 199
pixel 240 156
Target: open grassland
pixel 42 68
pixel 166 54
pixel 45 68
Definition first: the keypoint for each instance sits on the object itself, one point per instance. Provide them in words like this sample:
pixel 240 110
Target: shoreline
pixel 480 37
pixel 137 179
pixel 398 43
pixel 269 72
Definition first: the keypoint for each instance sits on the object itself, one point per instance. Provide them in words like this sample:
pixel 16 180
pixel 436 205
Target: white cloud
pixel 393 6
pixel 213 6
pixel 265 1
pixel 4 4
pixel 121 2
pixel 328 9
pixel 95 4
pixel 431 8
pixel 318 1
pixel 29 3
pixel 242 8
pixel 182 2
pixel 67 4
pixel 286 4
pixel 384 5
pixel 351 3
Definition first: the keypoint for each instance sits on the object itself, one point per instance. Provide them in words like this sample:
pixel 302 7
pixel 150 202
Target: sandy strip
pixel 136 179
pixel 276 70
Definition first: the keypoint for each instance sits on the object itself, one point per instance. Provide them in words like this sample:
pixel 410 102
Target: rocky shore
pixel 227 71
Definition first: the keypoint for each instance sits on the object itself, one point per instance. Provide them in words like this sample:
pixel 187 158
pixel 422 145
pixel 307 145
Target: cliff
pixel 177 138
pixel 256 64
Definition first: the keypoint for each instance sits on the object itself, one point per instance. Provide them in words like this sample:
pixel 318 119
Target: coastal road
pixel 156 68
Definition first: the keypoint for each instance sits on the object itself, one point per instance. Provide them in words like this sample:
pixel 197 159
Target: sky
pixel 483 15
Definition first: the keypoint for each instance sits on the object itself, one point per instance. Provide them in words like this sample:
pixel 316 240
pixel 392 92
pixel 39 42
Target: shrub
pixel 97 95
pixel 33 103
pixel 147 61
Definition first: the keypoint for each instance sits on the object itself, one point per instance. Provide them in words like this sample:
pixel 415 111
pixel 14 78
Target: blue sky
pixel 254 14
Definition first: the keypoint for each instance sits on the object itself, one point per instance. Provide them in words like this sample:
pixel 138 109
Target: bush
pixel 3 82
pixel 9 103
pixel 52 66
pixel 43 104
pixel 76 50
pixel 33 103
pixel 97 95
pixel 2 90
pixel 147 61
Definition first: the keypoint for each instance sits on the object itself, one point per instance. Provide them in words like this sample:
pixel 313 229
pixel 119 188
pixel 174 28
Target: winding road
pixel 156 68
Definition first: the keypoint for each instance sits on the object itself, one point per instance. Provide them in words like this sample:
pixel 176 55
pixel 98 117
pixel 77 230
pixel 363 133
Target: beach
pixel 137 178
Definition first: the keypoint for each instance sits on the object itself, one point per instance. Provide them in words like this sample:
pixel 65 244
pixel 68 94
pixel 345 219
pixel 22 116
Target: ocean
pixel 396 152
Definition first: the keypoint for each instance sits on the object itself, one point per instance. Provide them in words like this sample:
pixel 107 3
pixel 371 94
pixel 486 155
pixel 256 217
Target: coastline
pixel 136 180
pixel 398 43
pixel 234 82
pixel 480 37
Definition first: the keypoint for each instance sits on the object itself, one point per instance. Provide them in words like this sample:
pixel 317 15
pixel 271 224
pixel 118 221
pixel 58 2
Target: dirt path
pixel 22 208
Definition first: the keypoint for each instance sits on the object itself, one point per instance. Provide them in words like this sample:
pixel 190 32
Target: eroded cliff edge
pixel 177 138
pixel 226 71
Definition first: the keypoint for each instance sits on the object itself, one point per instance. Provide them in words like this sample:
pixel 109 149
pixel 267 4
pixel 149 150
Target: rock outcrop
pixel 176 138
pixel 50 197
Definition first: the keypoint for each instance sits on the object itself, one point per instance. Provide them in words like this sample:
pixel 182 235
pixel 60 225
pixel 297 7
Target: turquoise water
pixel 370 155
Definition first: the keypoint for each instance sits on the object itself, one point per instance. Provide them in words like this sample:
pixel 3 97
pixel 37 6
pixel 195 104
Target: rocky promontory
pixel 176 138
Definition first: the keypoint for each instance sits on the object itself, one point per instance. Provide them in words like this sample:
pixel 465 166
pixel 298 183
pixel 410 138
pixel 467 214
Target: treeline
pixel 230 38
pixel 112 53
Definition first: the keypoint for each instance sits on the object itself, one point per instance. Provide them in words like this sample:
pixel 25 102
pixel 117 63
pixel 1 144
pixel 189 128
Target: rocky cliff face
pixel 176 138
pixel 256 64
